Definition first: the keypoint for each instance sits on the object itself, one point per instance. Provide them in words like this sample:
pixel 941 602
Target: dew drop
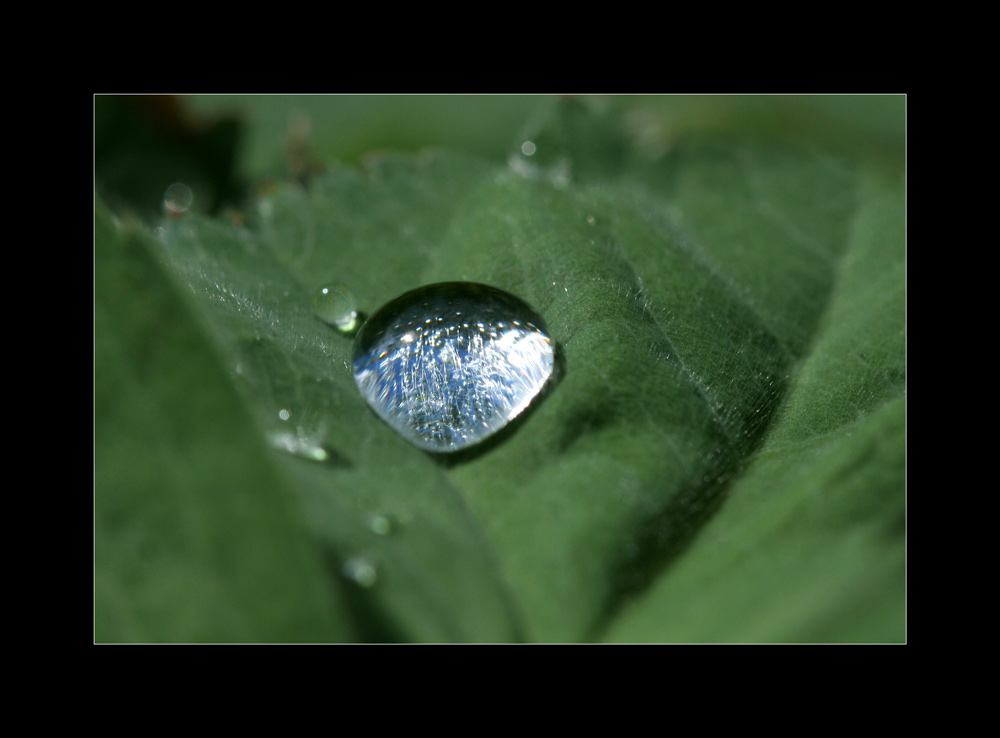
pixel 380 525
pixel 360 570
pixel 451 383
pixel 177 199
pixel 334 304
pixel 528 148
pixel 299 444
pixel 305 438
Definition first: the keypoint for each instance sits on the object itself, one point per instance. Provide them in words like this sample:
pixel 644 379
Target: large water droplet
pixel 450 364
pixel 334 304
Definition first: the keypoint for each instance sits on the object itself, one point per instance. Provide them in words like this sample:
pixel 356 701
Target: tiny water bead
pixel 380 525
pixel 361 570
pixel 334 304
pixel 299 445
pixel 450 364
pixel 177 199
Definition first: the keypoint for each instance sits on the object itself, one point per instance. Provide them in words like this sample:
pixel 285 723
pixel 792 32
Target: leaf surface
pixel 196 538
pixel 722 457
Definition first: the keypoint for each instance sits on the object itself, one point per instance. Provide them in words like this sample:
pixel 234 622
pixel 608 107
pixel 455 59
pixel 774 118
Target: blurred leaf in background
pixel 143 144
pixel 723 460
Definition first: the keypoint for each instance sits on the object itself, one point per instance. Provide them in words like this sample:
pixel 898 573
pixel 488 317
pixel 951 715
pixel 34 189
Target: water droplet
pixel 528 148
pixel 284 414
pixel 334 304
pixel 451 384
pixel 299 444
pixel 381 525
pixel 360 570
pixel 177 199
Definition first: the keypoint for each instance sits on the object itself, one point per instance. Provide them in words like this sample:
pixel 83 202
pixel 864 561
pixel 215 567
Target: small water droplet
pixel 528 148
pixel 381 525
pixel 298 444
pixel 177 199
pixel 284 414
pixel 360 570
pixel 463 378
pixel 334 304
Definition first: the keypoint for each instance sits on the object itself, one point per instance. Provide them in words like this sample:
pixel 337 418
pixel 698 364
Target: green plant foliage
pixel 721 460
pixel 195 539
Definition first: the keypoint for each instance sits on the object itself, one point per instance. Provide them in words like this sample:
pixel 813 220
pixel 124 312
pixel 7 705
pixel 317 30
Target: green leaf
pixel 722 458
pixel 810 543
pixel 196 536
